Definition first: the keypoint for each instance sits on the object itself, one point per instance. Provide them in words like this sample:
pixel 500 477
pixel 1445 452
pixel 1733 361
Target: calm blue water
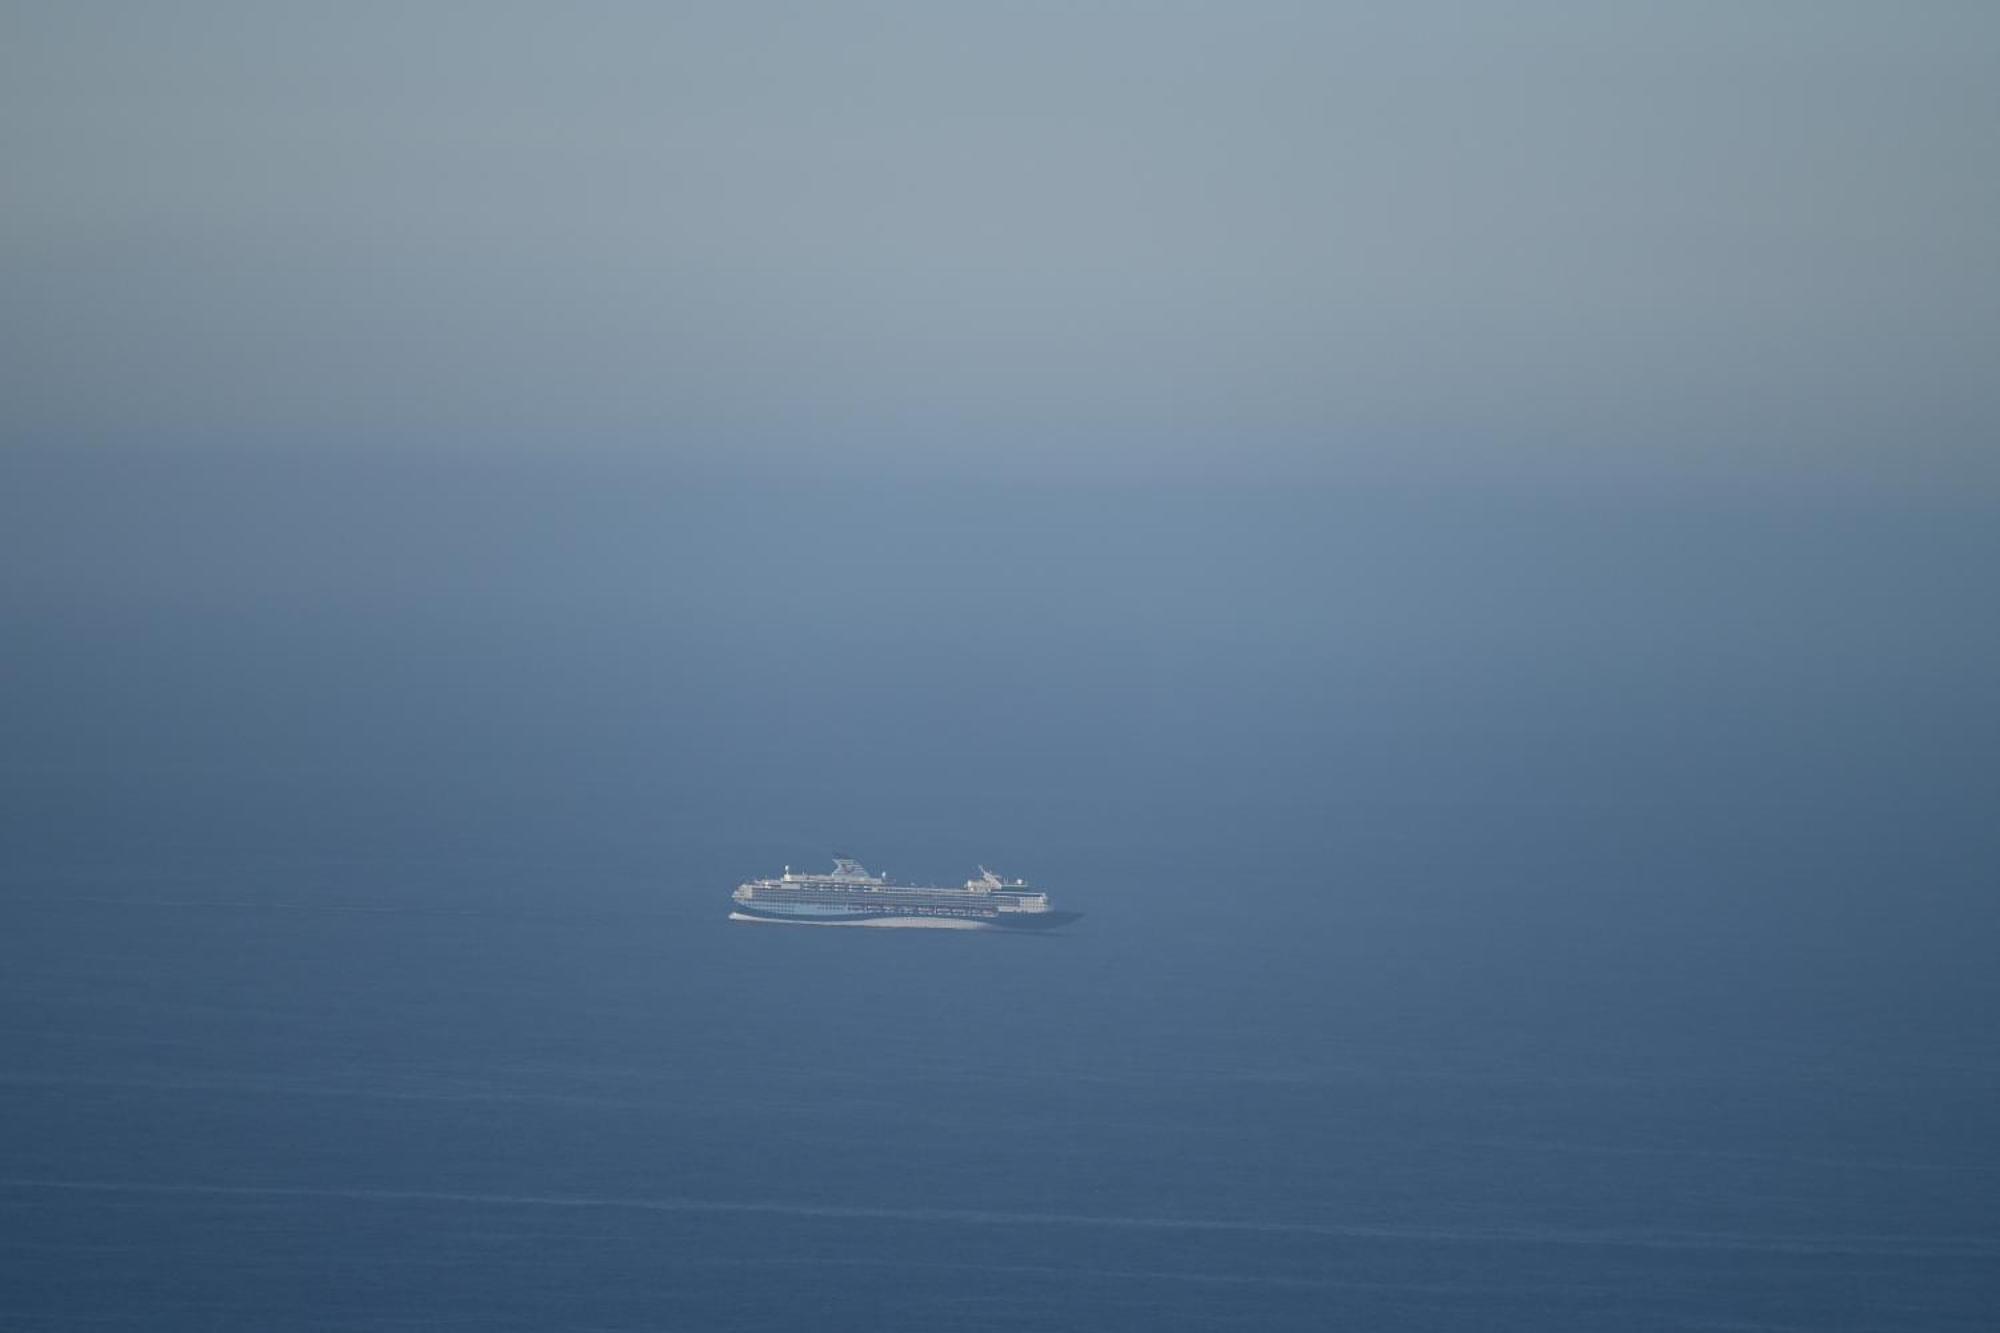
pixel 1536 925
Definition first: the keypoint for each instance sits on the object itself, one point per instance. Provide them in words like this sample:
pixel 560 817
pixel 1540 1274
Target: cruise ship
pixel 850 896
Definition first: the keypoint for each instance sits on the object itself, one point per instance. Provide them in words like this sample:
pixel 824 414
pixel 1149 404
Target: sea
pixel 1543 915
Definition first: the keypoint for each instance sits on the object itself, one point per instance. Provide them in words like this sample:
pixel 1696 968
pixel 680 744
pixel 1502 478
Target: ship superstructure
pixel 850 896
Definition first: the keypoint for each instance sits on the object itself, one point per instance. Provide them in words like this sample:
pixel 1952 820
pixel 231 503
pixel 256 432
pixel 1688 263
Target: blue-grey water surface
pixel 1536 917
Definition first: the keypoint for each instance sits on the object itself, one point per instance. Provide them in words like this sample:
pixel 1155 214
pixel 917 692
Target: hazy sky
pixel 1537 239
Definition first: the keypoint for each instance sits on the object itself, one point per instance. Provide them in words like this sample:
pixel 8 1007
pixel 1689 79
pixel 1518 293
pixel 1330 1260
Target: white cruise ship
pixel 850 896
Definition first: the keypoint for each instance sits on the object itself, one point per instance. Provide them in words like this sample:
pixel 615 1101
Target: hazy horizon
pixel 1751 244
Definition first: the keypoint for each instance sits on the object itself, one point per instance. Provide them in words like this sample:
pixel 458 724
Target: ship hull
pixel 1013 922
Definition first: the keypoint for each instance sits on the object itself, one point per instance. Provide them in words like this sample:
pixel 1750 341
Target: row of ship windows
pixel 809 896
pixel 893 903
pixel 929 911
